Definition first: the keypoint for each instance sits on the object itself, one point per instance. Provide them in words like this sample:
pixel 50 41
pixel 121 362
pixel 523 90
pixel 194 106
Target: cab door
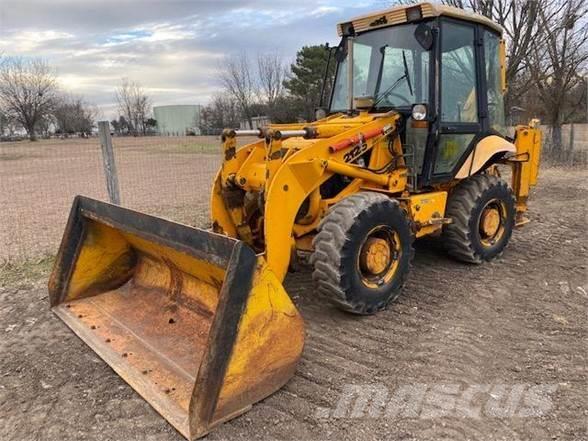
pixel 462 107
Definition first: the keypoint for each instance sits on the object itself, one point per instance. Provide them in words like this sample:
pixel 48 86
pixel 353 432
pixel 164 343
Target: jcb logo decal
pixel 356 151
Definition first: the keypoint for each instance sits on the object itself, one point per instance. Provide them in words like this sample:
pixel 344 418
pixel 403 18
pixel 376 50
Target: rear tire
pixel 362 253
pixel 483 211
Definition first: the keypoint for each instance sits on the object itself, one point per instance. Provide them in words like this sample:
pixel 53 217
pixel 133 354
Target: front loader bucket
pixel 194 321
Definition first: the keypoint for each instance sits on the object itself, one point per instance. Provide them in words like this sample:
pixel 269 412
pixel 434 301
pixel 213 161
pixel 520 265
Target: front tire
pixel 482 209
pixel 362 253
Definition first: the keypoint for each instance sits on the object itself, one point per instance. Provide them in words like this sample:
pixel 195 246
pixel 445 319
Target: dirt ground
pixel 518 321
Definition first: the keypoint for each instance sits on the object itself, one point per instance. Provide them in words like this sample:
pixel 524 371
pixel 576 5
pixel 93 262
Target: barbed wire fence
pixel 169 177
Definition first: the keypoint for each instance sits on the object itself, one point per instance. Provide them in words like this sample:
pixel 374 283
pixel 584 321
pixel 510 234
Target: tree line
pixel 268 86
pixel 546 71
pixel 31 100
pixel 547 61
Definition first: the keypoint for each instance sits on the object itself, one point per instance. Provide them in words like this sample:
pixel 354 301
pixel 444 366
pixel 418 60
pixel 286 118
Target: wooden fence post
pixel 108 161
pixel 572 142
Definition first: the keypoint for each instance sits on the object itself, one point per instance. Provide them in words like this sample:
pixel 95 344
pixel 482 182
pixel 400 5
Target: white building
pixel 178 120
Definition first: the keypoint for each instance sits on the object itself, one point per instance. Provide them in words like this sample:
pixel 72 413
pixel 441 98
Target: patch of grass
pixel 195 147
pixel 185 147
pixel 19 274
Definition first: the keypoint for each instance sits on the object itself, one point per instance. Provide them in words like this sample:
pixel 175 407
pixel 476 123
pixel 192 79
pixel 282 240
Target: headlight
pixel 419 112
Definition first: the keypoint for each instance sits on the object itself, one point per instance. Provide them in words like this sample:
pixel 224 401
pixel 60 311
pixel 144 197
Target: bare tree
pixel 520 21
pixel 74 115
pixel 142 110
pixel 222 112
pixel 556 65
pixel 8 125
pixel 4 123
pixel 237 79
pixel 272 72
pixel 124 98
pixel 28 92
pixel 134 104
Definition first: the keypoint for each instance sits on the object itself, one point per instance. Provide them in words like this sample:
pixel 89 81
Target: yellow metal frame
pixel 502 56
pixel 398 15
pixel 288 172
pixel 293 169
pixel 427 210
pixel 525 165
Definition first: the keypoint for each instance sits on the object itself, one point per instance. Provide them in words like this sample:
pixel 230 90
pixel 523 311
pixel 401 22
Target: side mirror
pixel 424 36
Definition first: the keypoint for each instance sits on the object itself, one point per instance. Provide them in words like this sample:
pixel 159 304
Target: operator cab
pixel 440 67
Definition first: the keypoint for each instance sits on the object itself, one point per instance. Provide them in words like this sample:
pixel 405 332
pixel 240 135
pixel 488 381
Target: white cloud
pixel 152 33
pixel 168 32
pixel 25 41
pixel 173 49
pixel 324 10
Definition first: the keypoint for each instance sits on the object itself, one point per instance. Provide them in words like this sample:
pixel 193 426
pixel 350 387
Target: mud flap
pixel 194 321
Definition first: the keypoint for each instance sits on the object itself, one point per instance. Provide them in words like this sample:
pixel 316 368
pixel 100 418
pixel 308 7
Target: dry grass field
pixel 518 322
pixel 166 176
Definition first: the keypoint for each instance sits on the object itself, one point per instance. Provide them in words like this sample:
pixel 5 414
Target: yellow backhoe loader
pixel 409 146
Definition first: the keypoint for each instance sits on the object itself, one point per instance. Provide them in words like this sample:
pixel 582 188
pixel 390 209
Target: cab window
pixel 494 81
pixel 458 74
pixel 389 65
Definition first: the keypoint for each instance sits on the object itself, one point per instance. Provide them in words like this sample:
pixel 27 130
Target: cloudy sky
pixel 172 47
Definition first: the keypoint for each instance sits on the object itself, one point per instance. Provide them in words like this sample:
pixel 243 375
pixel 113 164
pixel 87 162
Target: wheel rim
pixel 379 256
pixel 492 222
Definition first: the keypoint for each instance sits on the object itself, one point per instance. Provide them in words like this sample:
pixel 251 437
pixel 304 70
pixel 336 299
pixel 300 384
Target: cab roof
pixel 398 15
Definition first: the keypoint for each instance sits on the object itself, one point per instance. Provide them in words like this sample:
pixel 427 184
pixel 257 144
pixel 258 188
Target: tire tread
pixel 463 201
pixel 333 232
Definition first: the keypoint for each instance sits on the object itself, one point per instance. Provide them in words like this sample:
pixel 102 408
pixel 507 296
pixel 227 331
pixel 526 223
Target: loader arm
pixel 296 174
